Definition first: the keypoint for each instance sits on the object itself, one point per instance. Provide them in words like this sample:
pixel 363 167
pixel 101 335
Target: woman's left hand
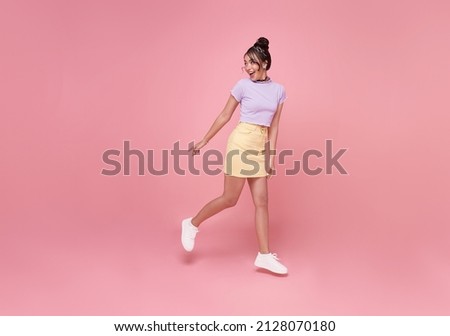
pixel 271 171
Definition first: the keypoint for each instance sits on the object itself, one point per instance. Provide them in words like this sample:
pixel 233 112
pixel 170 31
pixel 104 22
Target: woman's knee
pixel 261 201
pixel 230 201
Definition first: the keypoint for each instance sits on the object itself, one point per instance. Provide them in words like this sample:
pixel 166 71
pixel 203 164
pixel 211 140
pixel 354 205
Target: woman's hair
pixel 259 52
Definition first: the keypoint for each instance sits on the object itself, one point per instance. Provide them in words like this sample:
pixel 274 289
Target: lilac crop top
pixel 258 100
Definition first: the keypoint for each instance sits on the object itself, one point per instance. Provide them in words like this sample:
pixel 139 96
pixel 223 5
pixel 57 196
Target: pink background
pixel 81 77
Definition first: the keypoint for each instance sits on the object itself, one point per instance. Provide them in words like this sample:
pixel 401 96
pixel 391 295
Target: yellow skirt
pixel 245 153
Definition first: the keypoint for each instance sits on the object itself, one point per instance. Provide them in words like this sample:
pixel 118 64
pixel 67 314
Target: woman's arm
pixel 221 120
pixel 273 133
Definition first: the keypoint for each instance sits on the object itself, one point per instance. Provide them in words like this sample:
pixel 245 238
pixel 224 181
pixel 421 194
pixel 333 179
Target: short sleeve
pixel 237 91
pixel 283 96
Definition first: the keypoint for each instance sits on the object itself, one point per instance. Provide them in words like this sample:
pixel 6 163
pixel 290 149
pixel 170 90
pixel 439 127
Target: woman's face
pixel 255 71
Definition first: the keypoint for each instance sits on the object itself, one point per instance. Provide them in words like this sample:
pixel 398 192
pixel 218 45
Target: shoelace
pixel 192 233
pixel 274 255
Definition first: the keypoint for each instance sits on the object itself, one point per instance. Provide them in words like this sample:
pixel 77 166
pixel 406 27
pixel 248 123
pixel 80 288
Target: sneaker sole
pixel 271 270
pixel 188 249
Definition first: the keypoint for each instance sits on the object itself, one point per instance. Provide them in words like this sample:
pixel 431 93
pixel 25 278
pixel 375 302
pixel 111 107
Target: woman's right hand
pixel 196 149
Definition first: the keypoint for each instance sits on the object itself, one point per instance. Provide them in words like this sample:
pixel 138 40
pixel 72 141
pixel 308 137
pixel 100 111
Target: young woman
pixel 247 158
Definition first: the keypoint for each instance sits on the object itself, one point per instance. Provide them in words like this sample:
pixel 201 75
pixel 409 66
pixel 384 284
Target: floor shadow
pixel 188 258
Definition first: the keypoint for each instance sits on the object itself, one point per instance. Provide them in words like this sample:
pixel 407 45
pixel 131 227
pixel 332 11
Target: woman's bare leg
pixel 258 188
pixel 231 192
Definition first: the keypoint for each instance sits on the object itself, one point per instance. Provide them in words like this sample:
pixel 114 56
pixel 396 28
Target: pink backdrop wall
pixel 81 77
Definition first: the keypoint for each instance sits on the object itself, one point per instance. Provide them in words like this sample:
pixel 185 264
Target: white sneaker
pixel 188 233
pixel 270 262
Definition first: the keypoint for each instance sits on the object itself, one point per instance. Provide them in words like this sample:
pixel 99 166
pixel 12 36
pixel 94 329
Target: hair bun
pixel 263 43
